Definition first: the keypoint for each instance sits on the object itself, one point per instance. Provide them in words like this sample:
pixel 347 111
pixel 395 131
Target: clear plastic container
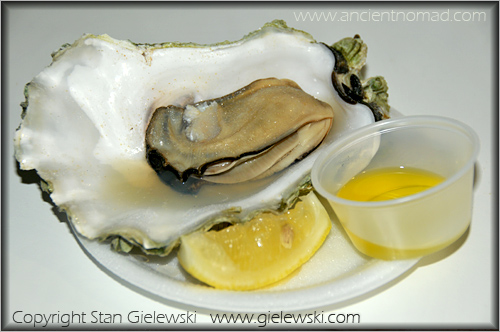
pixel 409 226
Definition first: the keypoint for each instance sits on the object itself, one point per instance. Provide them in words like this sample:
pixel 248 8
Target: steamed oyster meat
pixel 249 134
pixel 86 116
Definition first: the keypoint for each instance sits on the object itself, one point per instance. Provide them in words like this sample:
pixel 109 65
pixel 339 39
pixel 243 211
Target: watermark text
pixel 390 16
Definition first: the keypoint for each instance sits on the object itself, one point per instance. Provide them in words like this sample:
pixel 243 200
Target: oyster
pixel 85 119
pixel 250 134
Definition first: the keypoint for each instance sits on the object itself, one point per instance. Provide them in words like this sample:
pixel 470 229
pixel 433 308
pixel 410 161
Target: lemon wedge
pixel 259 252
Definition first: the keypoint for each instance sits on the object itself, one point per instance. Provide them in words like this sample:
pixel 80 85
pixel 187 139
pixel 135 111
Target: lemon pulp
pixel 388 183
pixel 259 252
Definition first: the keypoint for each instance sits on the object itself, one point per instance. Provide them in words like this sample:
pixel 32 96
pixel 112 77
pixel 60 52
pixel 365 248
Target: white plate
pixel 336 273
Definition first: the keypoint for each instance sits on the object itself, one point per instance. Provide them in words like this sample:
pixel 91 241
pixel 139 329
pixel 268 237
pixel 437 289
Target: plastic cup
pixel 414 225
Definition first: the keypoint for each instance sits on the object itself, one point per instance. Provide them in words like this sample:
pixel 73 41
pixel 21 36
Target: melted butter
pixel 389 253
pixel 388 183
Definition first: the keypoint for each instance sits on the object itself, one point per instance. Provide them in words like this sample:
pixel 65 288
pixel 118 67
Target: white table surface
pixel 443 68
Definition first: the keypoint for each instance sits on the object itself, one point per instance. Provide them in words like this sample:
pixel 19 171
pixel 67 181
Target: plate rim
pixel 334 292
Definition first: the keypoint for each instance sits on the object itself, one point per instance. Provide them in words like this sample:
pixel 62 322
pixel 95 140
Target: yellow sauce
pixel 387 253
pixel 388 183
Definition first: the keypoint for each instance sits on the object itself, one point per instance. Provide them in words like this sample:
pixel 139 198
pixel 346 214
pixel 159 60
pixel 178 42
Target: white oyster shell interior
pixel 88 111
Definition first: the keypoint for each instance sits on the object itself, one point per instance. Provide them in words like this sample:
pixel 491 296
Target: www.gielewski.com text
pixel 138 317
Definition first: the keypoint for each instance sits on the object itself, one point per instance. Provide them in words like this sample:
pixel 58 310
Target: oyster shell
pixel 85 118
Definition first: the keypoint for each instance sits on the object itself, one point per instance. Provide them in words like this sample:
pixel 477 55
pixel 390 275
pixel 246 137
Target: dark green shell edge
pixel 350 58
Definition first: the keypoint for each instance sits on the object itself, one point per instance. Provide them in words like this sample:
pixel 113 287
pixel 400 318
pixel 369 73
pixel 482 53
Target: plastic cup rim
pixel 389 125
